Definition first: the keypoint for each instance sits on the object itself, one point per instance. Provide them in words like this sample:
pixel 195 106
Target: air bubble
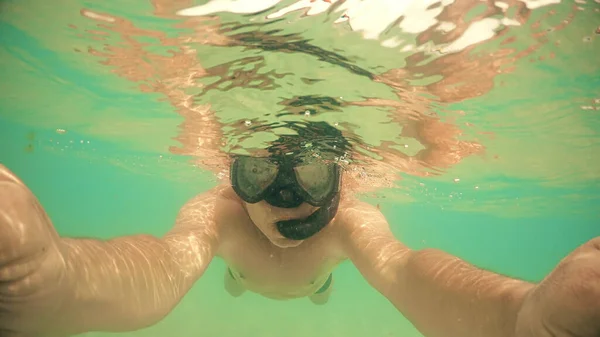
pixel 247 123
pixel 307 113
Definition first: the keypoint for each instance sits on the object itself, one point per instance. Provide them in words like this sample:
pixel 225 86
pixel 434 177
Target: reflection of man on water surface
pixel 282 223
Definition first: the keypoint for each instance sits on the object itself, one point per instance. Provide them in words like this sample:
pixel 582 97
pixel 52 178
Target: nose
pixel 286 195
pixel 284 198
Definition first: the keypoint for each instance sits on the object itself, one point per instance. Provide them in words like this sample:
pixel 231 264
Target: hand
pixel 567 302
pixel 32 267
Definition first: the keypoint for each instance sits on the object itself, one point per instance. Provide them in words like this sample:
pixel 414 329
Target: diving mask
pixel 288 182
pixel 285 181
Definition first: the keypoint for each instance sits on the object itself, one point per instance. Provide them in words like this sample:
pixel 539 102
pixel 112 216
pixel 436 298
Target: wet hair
pixel 311 138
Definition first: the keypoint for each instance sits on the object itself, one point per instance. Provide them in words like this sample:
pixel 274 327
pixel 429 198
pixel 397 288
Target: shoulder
pixel 354 212
pixel 355 216
pixel 220 196
pixel 212 207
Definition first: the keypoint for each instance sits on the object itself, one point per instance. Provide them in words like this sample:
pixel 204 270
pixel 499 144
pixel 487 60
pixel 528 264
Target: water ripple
pixel 406 94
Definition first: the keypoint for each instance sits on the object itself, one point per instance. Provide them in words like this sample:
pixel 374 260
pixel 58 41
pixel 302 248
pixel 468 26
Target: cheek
pixel 257 214
pixel 261 219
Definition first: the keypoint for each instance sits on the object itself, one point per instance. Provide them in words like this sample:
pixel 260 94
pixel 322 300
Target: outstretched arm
pixel 134 281
pixel 55 286
pixel 440 294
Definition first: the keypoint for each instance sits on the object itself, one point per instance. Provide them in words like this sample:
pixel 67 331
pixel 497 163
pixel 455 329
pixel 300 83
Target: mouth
pixel 304 228
pixel 297 229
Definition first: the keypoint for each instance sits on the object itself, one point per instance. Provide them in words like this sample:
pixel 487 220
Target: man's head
pixel 292 193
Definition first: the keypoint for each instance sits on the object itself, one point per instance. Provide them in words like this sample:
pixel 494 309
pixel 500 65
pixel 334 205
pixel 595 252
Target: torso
pixel 274 272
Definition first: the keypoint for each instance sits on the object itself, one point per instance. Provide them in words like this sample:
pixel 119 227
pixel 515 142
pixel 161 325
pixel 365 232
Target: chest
pixel 257 263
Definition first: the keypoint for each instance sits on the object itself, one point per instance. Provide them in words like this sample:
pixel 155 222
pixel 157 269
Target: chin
pixel 285 243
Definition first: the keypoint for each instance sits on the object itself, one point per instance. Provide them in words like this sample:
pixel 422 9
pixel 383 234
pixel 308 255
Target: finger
pixel 24 226
pixel 7 176
pixel 576 290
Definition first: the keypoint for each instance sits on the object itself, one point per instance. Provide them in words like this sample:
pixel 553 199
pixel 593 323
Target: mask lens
pixel 252 176
pixel 318 180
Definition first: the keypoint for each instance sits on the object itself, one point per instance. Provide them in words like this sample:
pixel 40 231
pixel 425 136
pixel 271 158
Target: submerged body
pixel 278 269
pixel 53 286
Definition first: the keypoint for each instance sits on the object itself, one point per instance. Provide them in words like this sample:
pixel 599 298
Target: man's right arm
pixel 132 282
pixel 52 286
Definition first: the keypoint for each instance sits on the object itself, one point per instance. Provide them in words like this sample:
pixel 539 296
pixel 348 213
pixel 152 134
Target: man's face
pixel 266 216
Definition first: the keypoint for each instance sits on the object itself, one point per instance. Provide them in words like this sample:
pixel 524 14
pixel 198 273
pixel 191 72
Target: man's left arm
pixel 440 294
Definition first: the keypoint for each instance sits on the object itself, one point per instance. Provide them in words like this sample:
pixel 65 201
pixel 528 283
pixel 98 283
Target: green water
pixel 107 158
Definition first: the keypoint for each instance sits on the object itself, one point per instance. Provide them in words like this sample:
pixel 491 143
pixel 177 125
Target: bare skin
pixel 54 286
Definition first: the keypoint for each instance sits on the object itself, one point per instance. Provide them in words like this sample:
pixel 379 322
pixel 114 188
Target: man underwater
pixel 282 226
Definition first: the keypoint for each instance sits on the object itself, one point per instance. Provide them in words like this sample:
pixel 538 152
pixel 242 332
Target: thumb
pixel 25 229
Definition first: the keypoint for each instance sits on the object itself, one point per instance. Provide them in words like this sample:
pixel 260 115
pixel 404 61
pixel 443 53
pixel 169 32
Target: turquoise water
pixel 106 137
